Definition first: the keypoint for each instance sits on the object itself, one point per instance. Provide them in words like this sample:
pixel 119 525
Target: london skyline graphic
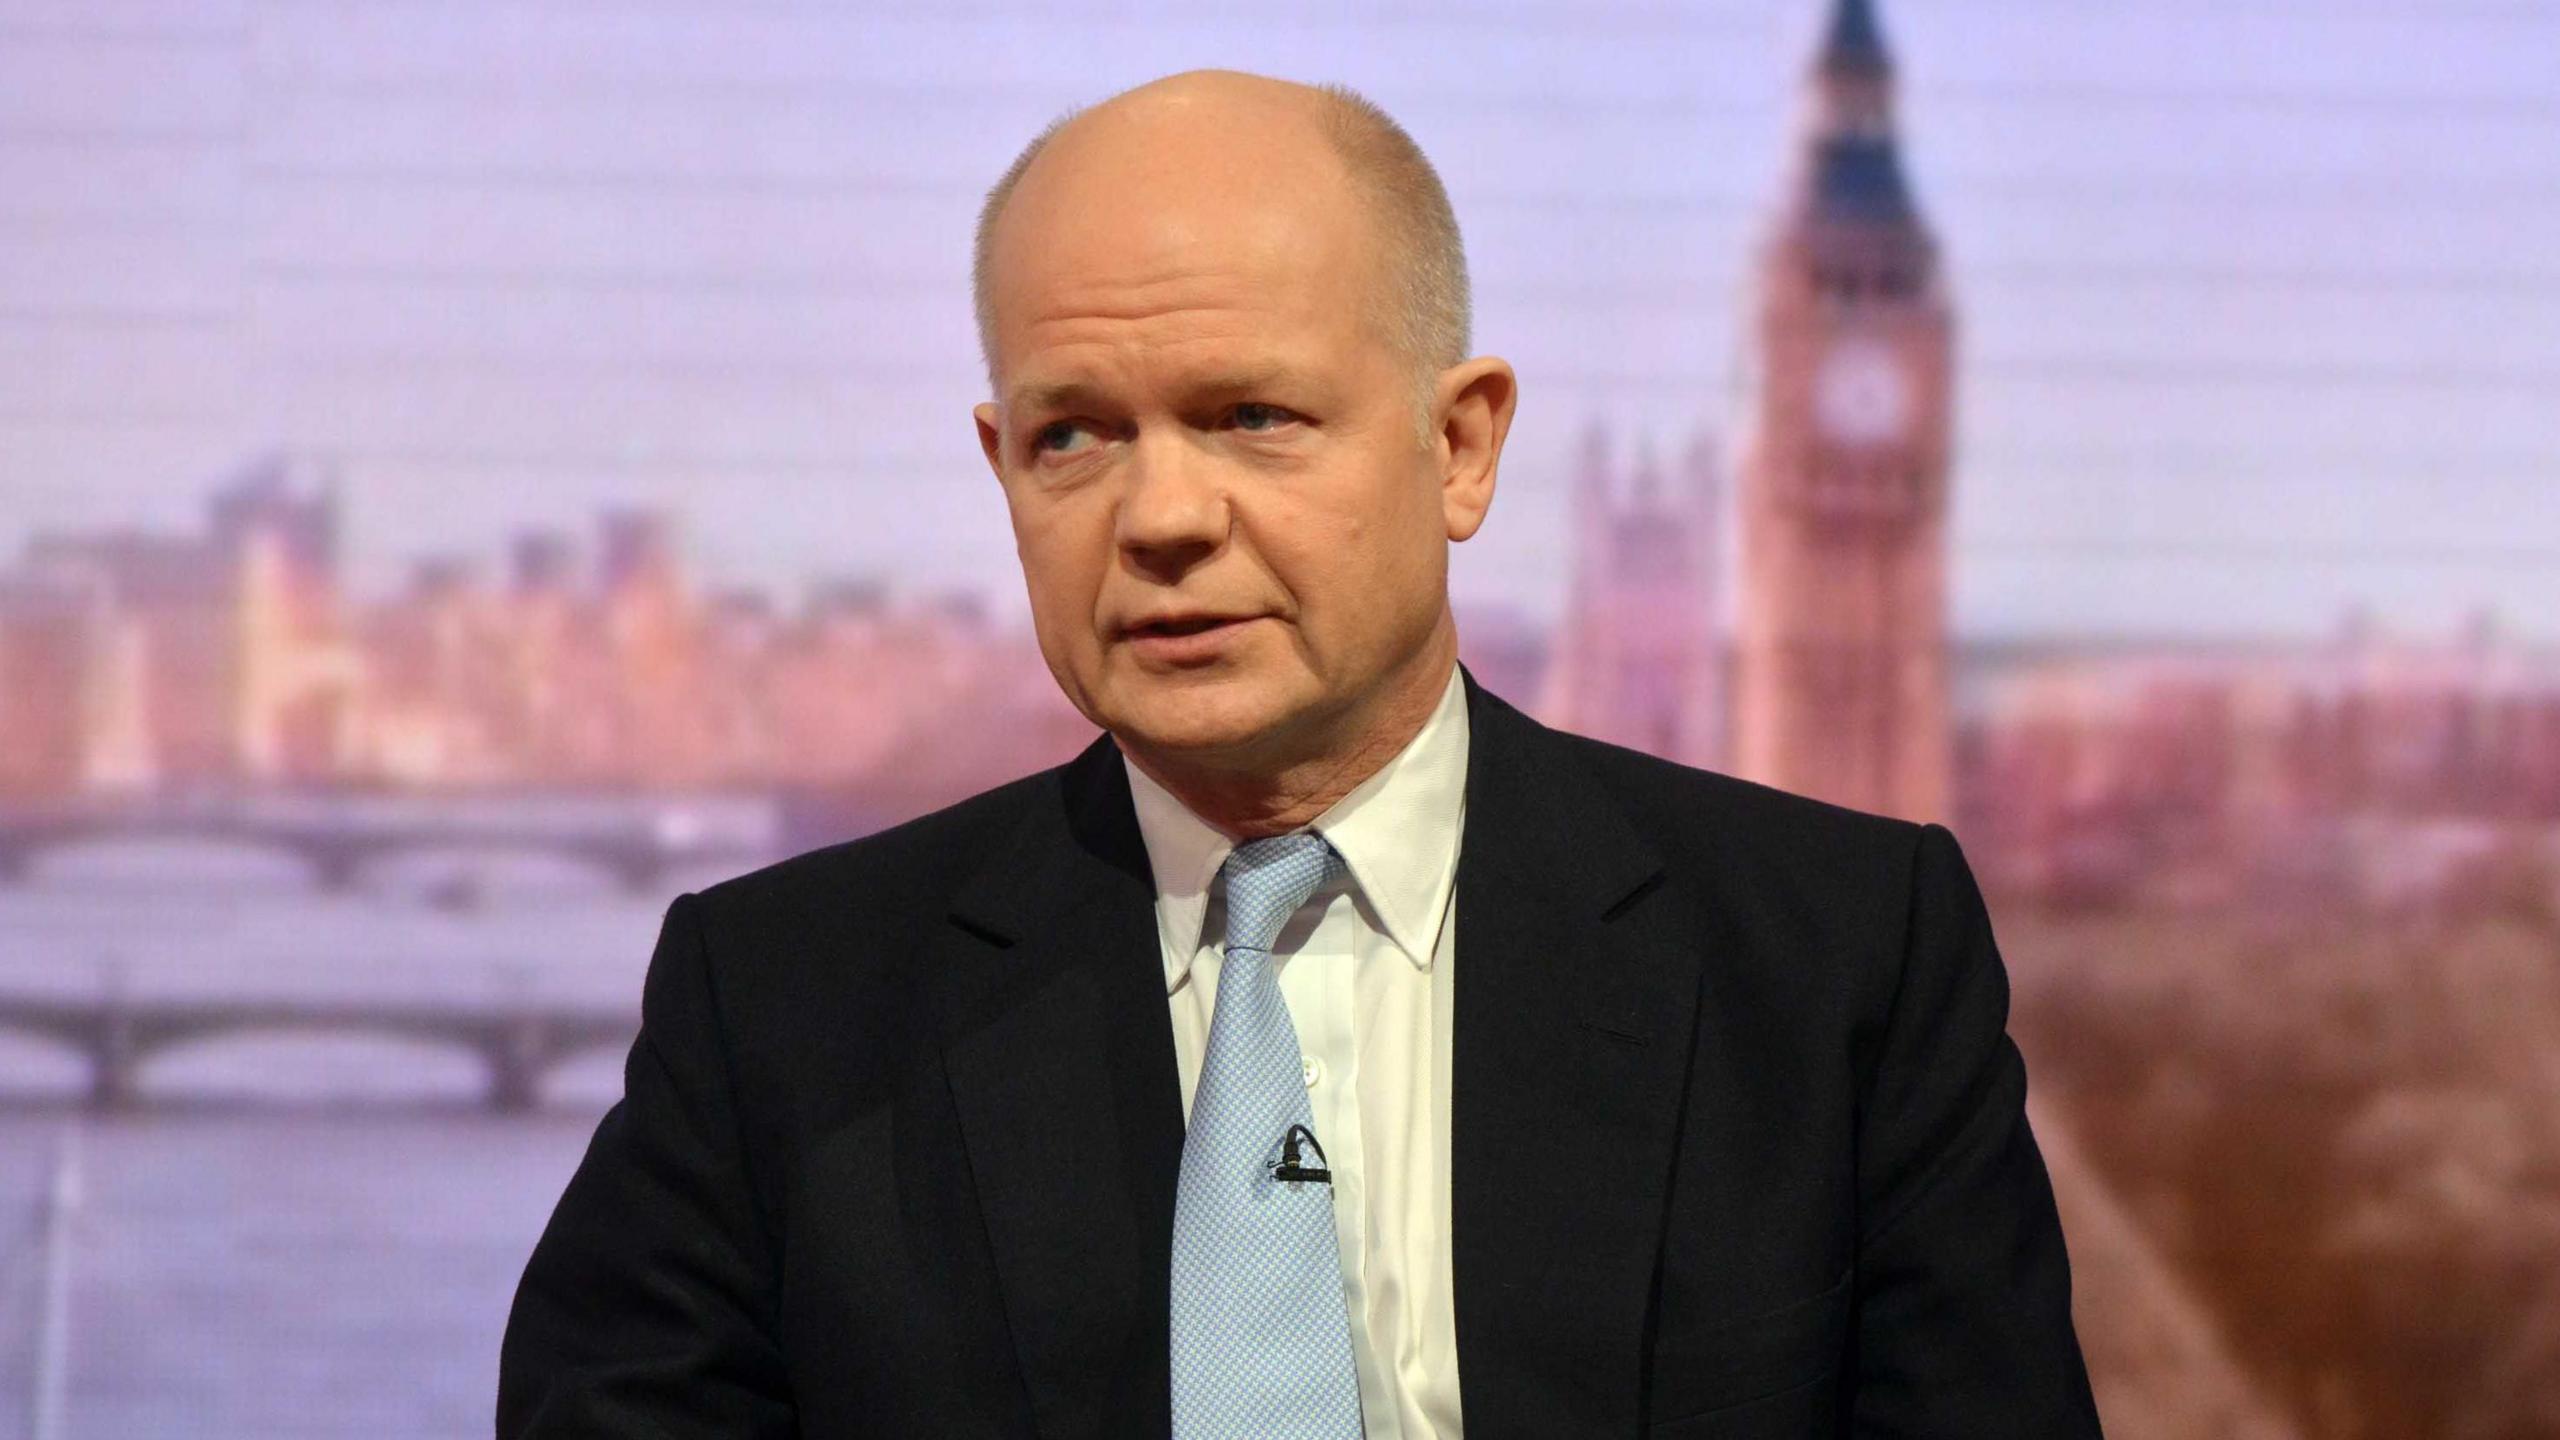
pixel 473 473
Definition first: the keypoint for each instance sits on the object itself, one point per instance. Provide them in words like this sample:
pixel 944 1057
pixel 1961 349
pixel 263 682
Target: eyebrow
pixel 1078 394
pixel 1057 395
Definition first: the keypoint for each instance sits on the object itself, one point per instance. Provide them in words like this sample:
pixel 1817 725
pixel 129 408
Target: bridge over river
pixel 519 1031
pixel 636 839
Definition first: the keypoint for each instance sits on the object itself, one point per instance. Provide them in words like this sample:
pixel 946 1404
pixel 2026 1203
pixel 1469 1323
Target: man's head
pixel 1424 292
pixel 1225 319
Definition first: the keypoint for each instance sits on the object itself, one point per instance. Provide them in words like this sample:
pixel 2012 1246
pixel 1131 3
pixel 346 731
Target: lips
pixel 1185 639
pixel 1181 624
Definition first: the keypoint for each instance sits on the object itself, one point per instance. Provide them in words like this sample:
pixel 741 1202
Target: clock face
pixel 1862 396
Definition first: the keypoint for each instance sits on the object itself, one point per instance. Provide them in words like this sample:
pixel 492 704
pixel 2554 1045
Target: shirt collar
pixel 1397 832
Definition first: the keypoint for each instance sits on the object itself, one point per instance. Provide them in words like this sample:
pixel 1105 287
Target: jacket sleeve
pixel 1964 1294
pixel 647 1307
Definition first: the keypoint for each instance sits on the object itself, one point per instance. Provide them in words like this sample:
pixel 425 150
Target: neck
pixel 1277 798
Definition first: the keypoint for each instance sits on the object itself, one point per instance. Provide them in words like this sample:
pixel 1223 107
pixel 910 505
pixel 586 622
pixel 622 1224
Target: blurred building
pixel 193 658
pixel 70 688
pixel 2363 764
pixel 277 526
pixel 232 656
pixel 1841 651
pixel 1638 659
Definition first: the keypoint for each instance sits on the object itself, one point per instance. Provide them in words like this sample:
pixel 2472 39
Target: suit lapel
pixel 1061 1066
pixel 1575 995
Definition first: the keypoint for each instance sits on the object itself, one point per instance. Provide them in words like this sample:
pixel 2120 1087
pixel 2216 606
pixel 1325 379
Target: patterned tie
pixel 1261 1341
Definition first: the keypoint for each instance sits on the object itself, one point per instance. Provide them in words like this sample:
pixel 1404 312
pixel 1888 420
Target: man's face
pixel 1230 530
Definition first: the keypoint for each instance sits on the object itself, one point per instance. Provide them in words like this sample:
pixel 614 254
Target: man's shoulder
pixel 1668 797
pixel 1751 844
pixel 1807 900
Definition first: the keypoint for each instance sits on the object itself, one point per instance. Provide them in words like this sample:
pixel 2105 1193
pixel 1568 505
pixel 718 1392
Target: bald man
pixel 1329 1049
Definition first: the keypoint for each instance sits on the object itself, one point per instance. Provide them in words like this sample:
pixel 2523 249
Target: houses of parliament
pixel 1775 609
pixel 1831 677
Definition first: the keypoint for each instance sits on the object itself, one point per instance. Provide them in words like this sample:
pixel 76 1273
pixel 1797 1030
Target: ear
pixel 991 437
pixel 1473 403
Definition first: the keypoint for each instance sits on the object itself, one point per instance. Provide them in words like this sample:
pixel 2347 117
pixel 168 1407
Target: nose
pixel 1173 514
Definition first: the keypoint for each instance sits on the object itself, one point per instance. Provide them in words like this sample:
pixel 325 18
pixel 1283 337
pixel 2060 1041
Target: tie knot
pixel 1268 879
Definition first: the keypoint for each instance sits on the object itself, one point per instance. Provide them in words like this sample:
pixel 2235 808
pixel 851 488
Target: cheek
pixel 1398 532
pixel 1360 562
pixel 1063 557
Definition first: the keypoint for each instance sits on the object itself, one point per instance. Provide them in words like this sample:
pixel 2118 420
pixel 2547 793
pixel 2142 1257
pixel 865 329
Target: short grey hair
pixel 1427 259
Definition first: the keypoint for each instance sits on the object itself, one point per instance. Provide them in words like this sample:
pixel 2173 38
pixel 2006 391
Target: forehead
pixel 1174 321
pixel 1190 253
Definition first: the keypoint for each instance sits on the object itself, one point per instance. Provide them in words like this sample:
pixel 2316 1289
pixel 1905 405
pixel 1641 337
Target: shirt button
pixel 1312 1068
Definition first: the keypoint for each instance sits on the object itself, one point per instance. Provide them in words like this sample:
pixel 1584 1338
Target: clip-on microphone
pixel 1287 1166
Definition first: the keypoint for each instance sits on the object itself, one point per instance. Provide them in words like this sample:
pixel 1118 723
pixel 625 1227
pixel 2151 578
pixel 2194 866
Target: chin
pixel 1178 713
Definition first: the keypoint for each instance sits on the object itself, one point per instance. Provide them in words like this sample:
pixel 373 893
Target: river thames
pixel 294 1234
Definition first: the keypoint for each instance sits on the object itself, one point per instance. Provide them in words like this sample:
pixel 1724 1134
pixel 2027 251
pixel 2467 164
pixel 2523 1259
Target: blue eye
pixel 1055 435
pixel 1254 415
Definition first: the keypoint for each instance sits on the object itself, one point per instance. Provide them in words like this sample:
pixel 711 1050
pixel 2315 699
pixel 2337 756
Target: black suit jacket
pixel 1738 1146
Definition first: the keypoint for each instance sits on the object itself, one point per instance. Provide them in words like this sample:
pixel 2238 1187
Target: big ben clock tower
pixel 1840 683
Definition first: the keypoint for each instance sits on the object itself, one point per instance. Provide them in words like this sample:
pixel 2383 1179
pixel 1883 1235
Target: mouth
pixel 1187 625
pixel 1186 638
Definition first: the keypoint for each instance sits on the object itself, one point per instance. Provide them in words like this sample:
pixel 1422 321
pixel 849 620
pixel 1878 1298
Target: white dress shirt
pixel 1364 968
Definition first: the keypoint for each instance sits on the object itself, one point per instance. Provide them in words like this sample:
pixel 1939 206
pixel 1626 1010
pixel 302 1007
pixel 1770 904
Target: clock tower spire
pixel 1841 638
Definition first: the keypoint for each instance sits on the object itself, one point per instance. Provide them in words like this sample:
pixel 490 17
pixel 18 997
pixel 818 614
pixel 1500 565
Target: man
pixel 1328 1049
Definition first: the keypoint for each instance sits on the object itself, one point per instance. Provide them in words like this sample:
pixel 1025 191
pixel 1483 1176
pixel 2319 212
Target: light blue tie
pixel 1261 1340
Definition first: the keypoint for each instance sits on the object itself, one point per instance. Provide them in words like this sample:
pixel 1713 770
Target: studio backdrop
pixel 471 471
